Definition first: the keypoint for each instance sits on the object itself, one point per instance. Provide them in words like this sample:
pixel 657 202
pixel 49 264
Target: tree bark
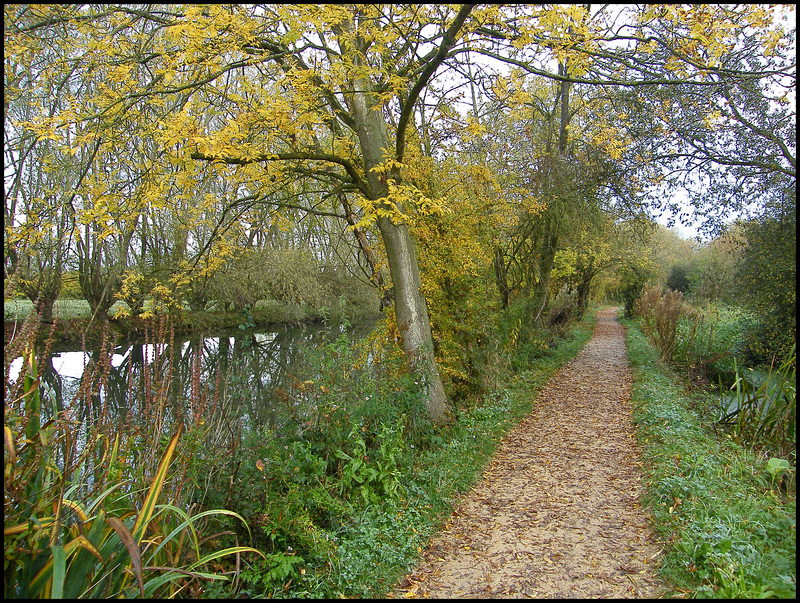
pixel 410 308
pixel 548 257
pixel 44 291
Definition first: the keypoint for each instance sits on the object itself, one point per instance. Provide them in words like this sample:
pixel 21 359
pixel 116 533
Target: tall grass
pixel 85 514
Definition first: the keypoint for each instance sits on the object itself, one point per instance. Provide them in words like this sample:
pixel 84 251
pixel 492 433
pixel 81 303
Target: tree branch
pixel 448 41
pixel 349 167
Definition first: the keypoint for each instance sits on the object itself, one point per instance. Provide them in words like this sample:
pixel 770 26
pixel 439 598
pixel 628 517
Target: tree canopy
pixel 154 143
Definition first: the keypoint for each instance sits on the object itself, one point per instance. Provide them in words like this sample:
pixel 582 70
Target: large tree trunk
pixel 412 315
pixel 44 290
pixel 410 308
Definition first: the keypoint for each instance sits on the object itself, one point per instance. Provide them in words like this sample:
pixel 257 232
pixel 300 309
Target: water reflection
pixel 234 377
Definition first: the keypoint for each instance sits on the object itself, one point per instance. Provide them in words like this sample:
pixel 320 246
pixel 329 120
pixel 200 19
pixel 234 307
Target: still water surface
pixel 240 374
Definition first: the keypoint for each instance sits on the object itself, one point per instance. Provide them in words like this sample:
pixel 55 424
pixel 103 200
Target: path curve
pixel 557 513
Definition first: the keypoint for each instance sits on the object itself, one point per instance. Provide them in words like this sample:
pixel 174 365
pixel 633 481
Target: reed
pixel 85 514
pixel 762 408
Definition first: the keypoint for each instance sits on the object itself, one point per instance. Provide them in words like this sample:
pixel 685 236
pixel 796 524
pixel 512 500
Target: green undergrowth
pixel 343 498
pixel 725 514
pixel 436 476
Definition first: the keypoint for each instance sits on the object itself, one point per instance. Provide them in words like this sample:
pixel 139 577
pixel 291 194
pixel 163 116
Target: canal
pixel 238 376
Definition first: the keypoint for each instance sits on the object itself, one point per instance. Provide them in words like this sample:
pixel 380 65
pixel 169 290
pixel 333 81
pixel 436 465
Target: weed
pixel 707 341
pixel 660 314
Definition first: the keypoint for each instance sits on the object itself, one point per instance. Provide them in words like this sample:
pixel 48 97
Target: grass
pixel 728 527
pixel 709 337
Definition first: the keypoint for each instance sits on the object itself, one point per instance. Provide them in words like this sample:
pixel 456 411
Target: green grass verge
pixel 728 529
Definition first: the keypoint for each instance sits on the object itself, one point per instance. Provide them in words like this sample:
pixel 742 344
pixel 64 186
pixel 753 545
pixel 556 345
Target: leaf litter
pixel 557 513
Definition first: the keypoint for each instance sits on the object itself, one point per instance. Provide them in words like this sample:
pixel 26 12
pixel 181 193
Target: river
pixel 241 375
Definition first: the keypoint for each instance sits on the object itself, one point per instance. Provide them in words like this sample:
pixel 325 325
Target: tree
pixel 636 266
pixel 597 246
pixel 767 277
pixel 325 98
pixel 703 92
pixel 40 180
pixel 672 254
pixel 561 154
pixel 678 279
pixel 713 273
pixel 305 77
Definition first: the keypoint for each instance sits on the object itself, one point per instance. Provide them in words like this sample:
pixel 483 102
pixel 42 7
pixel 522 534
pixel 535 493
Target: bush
pixel 767 276
pixel 289 276
pixel 70 286
pixel 708 340
pixel 562 310
pixel 678 279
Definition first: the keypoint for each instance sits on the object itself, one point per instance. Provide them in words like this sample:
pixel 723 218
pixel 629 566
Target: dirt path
pixel 557 513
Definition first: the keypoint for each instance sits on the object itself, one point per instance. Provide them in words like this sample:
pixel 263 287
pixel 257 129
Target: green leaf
pixel 776 465
pixel 59 571
pixel 155 489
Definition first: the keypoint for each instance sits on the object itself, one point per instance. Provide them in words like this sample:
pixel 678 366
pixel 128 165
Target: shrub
pixel 71 286
pixel 562 310
pixel 708 340
pixel 678 279
pixel 289 276
pixel 767 276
